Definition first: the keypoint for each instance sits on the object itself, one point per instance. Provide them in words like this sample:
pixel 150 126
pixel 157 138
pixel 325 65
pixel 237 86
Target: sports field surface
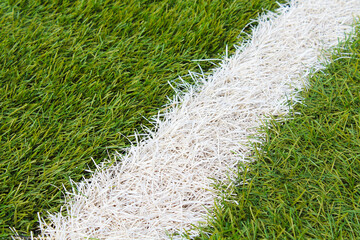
pixel 77 81
pixel 77 78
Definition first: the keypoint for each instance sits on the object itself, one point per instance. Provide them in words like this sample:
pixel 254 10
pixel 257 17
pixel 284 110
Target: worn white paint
pixel 163 183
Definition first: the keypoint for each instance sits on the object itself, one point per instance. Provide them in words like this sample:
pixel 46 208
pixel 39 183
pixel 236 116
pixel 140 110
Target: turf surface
pixel 305 182
pixel 76 74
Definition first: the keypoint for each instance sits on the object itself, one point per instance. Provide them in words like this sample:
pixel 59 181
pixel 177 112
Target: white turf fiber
pixel 163 183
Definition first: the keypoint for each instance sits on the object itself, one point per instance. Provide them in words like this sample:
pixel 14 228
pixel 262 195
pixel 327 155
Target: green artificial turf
pixel 76 74
pixel 305 182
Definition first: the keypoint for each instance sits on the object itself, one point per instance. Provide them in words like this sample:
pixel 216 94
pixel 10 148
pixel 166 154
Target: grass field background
pixel 76 74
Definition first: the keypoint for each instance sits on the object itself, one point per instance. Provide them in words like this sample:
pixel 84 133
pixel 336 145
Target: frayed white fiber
pixel 163 182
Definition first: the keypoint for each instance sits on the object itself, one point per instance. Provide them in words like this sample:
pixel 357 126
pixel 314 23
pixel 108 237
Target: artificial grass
pixel 305 180
pixel 76 77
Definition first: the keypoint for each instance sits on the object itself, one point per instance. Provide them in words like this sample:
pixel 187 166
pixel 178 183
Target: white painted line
pixel 163 182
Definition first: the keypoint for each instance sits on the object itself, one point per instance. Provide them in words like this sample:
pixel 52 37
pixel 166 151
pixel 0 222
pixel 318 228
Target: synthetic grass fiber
pixel 305 180
pixel 163 183
pixel 78 76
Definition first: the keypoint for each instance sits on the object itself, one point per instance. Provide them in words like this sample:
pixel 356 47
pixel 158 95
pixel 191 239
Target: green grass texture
pixel 78 77
pixel 305 180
